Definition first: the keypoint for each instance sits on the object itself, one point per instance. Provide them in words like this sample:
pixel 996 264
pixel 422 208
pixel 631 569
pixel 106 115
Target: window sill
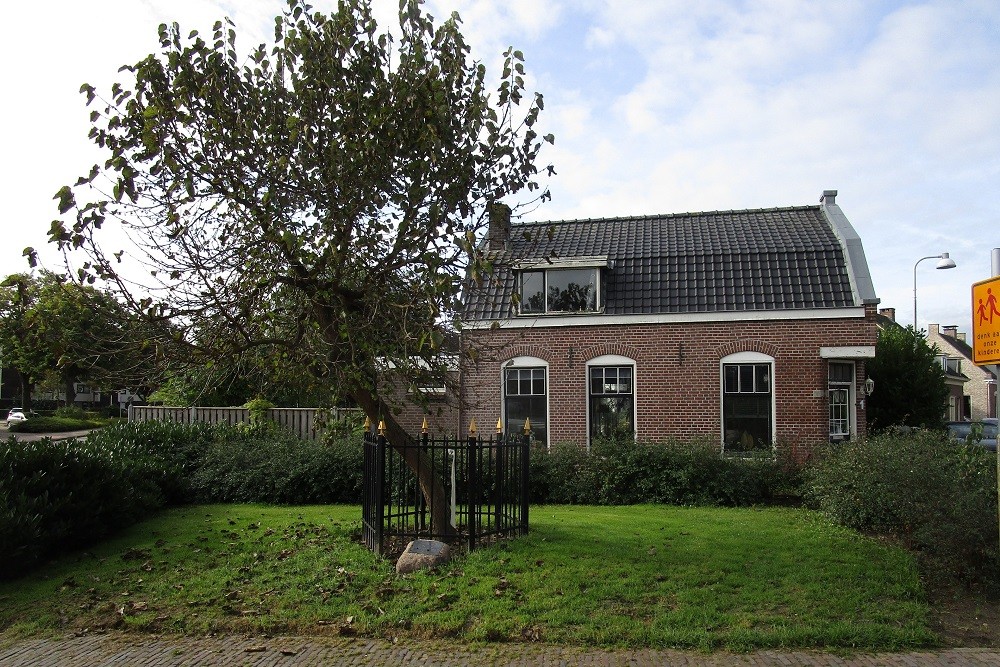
pixel 561 313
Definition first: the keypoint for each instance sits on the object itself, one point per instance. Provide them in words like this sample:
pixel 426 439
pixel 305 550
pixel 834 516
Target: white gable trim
pixel 855 352
pixel 526 322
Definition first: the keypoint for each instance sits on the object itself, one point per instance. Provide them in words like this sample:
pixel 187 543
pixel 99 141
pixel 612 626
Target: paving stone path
pixel 137 650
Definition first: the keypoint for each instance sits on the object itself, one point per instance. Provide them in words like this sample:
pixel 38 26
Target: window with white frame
pixel 611 401
pixel 572 290
pixel 840 378
pixel 525 397
pixel 747 403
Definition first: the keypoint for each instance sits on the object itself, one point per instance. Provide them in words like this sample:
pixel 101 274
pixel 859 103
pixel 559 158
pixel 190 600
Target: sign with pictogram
pixel 986 322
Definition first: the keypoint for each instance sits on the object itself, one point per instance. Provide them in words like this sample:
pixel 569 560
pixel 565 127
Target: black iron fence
pixel 457 490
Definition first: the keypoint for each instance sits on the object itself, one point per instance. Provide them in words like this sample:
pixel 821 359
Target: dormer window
pixel 554 287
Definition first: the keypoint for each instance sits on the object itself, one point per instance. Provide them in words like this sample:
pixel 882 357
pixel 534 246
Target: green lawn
pixel 644 576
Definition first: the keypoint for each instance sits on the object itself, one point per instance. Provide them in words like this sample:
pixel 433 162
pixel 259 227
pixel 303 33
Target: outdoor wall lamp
pixel 869 386
pixel 944 262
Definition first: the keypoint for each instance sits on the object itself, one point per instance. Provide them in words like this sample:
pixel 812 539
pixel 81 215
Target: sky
pixel 657 106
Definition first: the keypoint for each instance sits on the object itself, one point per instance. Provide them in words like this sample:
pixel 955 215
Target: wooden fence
pixel 306 423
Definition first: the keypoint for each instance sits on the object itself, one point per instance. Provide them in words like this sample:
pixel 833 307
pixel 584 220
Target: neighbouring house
pixel 980 396
pixel 956 405
pixel 85 396
pixel 750 328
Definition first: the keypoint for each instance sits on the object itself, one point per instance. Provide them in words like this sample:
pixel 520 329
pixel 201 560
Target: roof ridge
pixel 661 216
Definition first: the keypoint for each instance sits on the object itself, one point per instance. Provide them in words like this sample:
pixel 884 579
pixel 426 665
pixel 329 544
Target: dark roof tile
pixel 766 259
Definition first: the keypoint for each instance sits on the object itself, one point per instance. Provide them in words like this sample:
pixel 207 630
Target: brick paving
pixel 99 650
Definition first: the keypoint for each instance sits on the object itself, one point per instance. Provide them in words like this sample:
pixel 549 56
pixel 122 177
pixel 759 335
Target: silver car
pixel 15 415
pixel 983 433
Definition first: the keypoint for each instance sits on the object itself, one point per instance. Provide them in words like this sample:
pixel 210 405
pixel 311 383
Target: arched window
pixel 525 396
pixel 747 402
pixel 611 397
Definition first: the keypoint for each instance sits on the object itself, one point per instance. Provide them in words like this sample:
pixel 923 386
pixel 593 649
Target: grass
pixel 643 576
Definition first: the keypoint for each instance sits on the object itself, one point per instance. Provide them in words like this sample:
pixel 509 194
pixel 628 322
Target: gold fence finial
pixel 381 427
pixel 527 426
pixel 472 426
pixel 499 426
pixel 424 427
pixel 368 423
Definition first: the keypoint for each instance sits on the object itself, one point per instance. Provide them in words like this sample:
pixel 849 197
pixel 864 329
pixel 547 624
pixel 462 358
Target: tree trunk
pixel 25 392
pixel 70 388
pixel 416 459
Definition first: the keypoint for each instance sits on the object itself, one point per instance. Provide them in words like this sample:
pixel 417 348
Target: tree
pixel 18 294
pixel 909 382
pixel 53 327
pixel 319 202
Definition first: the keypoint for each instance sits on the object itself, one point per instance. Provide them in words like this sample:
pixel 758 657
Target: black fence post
pixel 380 492
pixel 472 479
pixel 525 479
pixel 421 500
pixel 367 515
pixel 500 480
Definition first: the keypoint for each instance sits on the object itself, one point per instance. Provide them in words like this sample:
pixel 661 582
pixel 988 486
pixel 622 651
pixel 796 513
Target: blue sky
pixel 657 107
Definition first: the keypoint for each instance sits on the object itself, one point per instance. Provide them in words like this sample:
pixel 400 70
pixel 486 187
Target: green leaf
pixel 66 199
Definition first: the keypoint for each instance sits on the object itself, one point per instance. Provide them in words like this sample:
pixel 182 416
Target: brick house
pixel 978 400
pixel 750 327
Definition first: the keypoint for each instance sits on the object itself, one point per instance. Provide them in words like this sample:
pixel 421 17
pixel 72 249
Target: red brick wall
pixel 677 384
pixel 440 410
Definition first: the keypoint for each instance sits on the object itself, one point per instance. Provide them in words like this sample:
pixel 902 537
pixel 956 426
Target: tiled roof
pixel 752 260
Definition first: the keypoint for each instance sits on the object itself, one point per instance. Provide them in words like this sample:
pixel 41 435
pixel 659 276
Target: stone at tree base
pixel 422 554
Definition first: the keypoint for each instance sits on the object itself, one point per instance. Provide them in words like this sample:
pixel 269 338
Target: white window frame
pixel 852 407
pixel 545 271
pixel 746 358
pixel 612 360
pixel 527 362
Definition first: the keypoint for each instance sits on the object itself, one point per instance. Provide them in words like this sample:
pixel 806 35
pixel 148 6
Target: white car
pixel 15 415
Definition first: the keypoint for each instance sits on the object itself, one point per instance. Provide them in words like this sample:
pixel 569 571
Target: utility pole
pixel 995 261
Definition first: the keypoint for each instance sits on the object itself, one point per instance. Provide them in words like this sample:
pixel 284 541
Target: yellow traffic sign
pixel 986 322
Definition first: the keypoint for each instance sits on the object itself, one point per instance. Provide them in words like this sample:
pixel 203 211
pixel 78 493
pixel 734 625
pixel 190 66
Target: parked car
pixel 15 415
pixel 982 433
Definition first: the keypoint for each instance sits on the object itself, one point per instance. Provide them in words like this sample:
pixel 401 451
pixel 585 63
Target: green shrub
pixel 274 466
pixel 67 494
pixel 70 412
pixel 938 496
pixel 173 450
pixel 55 424
pixel 624 472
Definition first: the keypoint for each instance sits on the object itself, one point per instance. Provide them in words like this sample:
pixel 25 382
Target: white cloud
pixel 661 106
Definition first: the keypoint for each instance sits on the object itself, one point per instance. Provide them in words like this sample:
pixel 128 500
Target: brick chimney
pixel 498 233
pixel 961 336
pixel 889 313
pixel 951 331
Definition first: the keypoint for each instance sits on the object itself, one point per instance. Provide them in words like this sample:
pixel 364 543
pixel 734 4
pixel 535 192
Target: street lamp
pixel 944 262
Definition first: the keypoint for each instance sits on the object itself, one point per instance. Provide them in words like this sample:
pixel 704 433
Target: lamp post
pixel 944 262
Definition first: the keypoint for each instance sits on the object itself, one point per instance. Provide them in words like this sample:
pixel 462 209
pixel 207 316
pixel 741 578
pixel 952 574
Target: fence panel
pixel 231 416
pixel 160 413
pixel 304 422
